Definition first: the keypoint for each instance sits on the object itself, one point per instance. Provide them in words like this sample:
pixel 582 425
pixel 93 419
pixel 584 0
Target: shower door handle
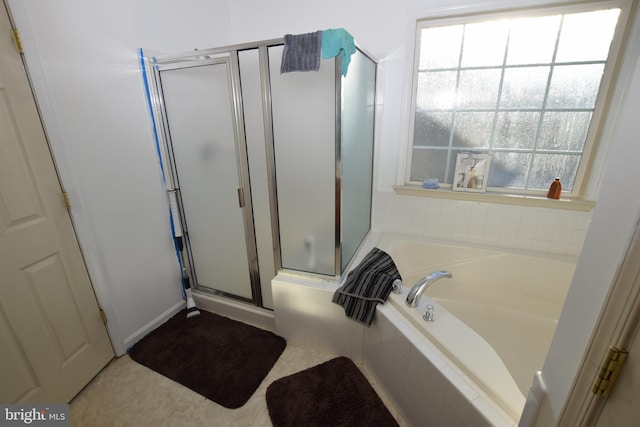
pixel 240 198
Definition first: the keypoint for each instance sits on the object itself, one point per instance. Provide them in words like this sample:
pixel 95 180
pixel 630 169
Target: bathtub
pixel 495 317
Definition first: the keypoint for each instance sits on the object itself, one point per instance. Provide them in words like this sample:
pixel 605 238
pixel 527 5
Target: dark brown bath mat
pixel 221 359
pixel 334 393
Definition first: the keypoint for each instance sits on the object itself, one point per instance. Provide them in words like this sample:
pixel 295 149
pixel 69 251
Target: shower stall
pixel 270 171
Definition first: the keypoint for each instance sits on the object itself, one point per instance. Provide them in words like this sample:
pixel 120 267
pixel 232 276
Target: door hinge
pixel 67 202
pixel 103 316
pixel 18 41
pixel 609 371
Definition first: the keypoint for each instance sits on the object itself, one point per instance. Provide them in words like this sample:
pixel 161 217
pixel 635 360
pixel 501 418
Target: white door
pixel 52 339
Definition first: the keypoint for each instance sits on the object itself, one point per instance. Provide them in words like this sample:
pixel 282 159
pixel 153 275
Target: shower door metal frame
pixel 195 59
pixel 231 54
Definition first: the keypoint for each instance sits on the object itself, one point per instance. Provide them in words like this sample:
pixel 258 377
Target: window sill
pixel 570 204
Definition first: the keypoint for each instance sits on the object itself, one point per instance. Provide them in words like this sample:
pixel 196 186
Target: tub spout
pixel 421 285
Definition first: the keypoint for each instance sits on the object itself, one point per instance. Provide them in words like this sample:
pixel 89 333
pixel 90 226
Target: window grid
pixel 536 150
pixel 544 103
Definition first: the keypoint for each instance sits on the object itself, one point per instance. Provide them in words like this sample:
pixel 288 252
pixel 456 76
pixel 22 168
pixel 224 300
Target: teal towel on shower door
pixel 338 41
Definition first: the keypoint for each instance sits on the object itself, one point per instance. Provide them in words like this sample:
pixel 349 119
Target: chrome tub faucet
pixel 421 285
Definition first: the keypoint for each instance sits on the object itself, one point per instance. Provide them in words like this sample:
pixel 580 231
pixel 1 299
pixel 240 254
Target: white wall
pixel 83 60
pixel 82 56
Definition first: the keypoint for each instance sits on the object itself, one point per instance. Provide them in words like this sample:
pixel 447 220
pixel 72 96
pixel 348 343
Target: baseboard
pixel 140 333
pixel 245 313
pixel 260 318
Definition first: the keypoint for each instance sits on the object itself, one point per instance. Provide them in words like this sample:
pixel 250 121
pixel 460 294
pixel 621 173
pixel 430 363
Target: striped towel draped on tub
pixel 367 285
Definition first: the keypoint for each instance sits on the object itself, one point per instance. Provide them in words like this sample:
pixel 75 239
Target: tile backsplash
pixel 545 230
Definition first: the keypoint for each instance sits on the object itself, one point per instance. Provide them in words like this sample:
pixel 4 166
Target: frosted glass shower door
pixel 304 135
pixel 358 113
pixel 200 116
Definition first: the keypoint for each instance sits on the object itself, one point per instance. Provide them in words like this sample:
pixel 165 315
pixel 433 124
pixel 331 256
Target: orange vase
pixel 555 189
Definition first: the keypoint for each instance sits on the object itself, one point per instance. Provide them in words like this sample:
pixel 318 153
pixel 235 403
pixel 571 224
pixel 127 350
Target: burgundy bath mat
pixel 221 359
pixel 334 393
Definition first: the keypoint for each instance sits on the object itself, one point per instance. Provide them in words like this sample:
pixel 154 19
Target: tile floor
pixel 126 393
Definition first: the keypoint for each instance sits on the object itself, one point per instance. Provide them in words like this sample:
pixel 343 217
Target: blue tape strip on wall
pixel 156 138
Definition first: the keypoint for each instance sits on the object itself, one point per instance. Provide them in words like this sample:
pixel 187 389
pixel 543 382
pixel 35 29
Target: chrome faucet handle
pixel 396 288
pixel 430 314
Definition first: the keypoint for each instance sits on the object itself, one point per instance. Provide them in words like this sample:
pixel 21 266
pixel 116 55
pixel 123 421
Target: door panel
pixel 17 207
pixel 53 338
pixel 304 135
pixel 199 108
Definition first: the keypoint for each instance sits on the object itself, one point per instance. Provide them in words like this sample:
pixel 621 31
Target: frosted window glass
pixel 436 90
pixel 432 128
pixel 428 164
pixel 358 107
pixel 201 125
pixel 485 43
pixel 506 169
pixel 440 47
pixel 304 115
pixel 527 48
pixel 473 130
pixel 587 36
pixel 575 86
pixel 564 131
pixel 478 88
pixel 547 167
pixel 524 87
pixel 516 130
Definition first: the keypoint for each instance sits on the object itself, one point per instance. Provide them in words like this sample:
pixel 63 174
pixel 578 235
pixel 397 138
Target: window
pixel 524 89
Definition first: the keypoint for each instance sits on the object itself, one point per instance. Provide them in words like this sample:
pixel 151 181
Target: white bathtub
pixel 495 317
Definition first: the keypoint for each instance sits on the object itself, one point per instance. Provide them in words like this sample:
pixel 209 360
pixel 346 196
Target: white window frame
pixel 594 145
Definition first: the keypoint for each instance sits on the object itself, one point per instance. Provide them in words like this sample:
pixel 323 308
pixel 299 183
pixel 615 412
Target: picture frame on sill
pixel 471 173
